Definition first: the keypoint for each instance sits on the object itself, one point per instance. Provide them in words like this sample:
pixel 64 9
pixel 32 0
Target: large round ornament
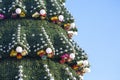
pixel 61 18
pixel 86 70
pixel 48 50
pixel 75 33
pixel 42 12
pixel 85 63
pixel 19 49
pixel 18 10
pixel 72 25
pixel 72 56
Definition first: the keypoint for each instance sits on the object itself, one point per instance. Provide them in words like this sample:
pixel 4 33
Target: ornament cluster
pixel 46 51
pixel 38 11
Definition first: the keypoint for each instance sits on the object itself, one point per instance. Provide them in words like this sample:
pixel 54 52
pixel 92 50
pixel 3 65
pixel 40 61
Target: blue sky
pixel 98 22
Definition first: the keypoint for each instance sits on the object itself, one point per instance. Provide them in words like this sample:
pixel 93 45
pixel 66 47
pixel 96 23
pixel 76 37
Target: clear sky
pixel 98 22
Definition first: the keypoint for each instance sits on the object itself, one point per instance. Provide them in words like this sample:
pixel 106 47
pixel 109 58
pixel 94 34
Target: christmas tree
pixel 36 42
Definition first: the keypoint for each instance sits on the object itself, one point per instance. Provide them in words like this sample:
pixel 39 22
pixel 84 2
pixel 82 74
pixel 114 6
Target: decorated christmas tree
pixel 36 42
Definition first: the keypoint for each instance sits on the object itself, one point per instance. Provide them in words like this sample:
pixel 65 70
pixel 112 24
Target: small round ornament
pixel 24 52
pixel 72 25
pixel 87 70
pixel 19 56
pixel 61 18
pixel 19 49
pixel 75 33
pixel 48 50
pixel 18 10
pixel 72 56
pixel 42 12
pixel 2 16
pixel 85 63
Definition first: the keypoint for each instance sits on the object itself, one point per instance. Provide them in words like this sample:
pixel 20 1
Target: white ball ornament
pixel 81 77
pixel 48 50
pixel 19 49
pixel 87 70
pixel 61 17
pixel 18 10
pixel 72 56
pixel 42 12
pixel 75 33
pixel 85 63
pixel 72 25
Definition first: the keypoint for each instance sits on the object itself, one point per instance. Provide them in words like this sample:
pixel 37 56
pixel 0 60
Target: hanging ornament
pixel 80 63
pixel 60 18
pixel 14 15
pixel 72 56
pixel 65 56
pixel 22 14
pixel 75 33
pixel 44 57
pixel 75 67
pixel 81 77
pixel 70 34
pixel 42 12
pixel 13 53
pixel 19 49
pixel 24 53
pixel 41 53
pixel 54 19
pixel 62 61
pixel 36 15
pixel 19 56
pixel 2 16
pixel 50 55
pixel 48 50
pixel 72 25
pixel 85 63
pixel 67 26
pixel 86 70
pixel 18 10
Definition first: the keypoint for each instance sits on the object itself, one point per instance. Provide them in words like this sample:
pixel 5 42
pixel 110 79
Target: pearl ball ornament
pixel 42 12
pixel 61 17
pixel 48 50
pixel 19 49
pixel 18 10
pixel 72 25
pixel 72 56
